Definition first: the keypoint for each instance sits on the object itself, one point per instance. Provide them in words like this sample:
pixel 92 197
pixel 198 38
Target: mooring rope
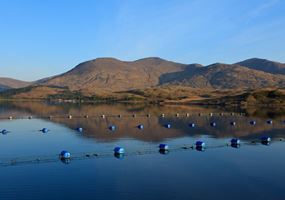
pixel 94 155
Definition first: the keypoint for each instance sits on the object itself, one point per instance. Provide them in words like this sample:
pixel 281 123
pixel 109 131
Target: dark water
pixel 253 171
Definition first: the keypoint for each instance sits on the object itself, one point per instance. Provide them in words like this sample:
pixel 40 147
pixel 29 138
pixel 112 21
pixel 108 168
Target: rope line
pixel 94 155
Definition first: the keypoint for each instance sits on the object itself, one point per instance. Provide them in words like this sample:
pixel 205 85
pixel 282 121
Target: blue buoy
pixel 233 123
pixel 44 130
pixel 167 125
pixel 79 129
pixel 164 152
pixel 192 125
pixel 252 122
pixel 199 148
pixel 213 124
pixel 112 127
pixel 120 156
pixel 163 147
pixel 235 142
pixel 140 126
pixel 200 144
pixel 4 131
pixel 119 150
pixel 65 155
pixel 269 121
pixel 265 139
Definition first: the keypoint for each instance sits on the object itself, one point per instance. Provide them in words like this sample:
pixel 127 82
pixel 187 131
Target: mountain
pixel 223 76
pixel 152 78
pixel 109 74
pixel 264 65
pixel 9 83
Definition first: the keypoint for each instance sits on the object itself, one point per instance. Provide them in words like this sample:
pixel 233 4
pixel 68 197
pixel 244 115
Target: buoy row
pixel 133 115
pixel 141 126
pixel 164 148
pixel 119 152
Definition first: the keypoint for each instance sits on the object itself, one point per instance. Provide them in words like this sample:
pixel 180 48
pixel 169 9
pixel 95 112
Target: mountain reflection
pixel 126 127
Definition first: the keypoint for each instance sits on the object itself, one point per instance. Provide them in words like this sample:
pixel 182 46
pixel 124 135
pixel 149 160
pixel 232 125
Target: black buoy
pixel 265 140
pixel 252 122
pixel 269 121
pixel 213 124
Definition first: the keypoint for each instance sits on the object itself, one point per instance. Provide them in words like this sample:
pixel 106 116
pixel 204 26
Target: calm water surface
pixel 253 171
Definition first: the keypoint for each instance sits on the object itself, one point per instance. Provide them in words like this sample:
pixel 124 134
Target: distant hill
pixel 264 65
pixel 109 74
pixel 151 78
pixel 9 83
pixel 223 76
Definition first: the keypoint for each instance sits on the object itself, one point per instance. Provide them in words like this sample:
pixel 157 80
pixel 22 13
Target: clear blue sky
pixel 42 38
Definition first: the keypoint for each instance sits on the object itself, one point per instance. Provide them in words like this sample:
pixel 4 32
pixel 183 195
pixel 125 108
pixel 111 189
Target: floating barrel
pixel 103 116
pixel 163 147
pixel 119 116
pixel 213 124
pixel 148 115
pixel 235 142
pixel 252 122
pixel 269 121
pixel 86 116
pixel 187 114
pixel 192 125
pixel 69 116
pixel 200 144
pixel 10 117
pixel 167 125
pixel 112 127
pixel 162 115
pixel 177 114
pixel 233 123
pixel 65 155
pixel 79 129
pixel 44 130
pixel 211 114
pixel 119 150
pixel 140 126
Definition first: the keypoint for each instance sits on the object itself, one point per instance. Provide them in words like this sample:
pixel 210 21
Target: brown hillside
pixel 109 74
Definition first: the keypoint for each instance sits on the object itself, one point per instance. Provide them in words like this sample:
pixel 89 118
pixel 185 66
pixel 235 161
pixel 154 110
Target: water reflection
pixel 148 123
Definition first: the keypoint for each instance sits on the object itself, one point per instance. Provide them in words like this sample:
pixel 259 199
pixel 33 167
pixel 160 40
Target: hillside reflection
pixel 97 127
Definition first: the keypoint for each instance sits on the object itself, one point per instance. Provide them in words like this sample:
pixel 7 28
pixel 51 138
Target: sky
pixel 39 39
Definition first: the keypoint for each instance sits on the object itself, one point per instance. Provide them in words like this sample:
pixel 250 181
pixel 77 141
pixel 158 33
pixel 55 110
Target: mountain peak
pixel 264 65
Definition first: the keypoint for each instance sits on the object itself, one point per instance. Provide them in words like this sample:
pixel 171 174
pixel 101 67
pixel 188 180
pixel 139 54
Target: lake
pixel 30 167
